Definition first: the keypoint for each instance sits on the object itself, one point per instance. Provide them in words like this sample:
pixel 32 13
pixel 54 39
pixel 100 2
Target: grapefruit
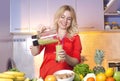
pixel 100 77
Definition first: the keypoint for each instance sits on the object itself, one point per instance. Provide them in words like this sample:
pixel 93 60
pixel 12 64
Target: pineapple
pixel 98 60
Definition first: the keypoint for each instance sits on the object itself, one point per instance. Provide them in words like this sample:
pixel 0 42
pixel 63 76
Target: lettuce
pixel 82 69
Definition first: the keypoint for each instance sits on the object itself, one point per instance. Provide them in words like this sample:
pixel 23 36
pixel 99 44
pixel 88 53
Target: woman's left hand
pixel 62 54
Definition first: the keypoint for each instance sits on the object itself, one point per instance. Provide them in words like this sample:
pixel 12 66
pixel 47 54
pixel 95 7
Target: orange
pixel 90 79
pixel 50 78
pixel 110 79
pixel 100 77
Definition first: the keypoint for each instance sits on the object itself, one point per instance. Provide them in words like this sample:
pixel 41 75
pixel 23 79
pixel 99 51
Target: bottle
pixel 114 25
pixel 107 26
pixel 46 37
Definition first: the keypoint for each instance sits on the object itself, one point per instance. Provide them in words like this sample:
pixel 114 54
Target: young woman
pixel 67 34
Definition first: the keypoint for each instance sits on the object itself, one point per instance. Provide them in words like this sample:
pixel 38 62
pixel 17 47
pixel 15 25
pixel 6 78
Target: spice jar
pixel 107 26
pixel 115 25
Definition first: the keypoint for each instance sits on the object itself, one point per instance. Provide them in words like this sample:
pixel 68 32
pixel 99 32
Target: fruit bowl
pixel 64 75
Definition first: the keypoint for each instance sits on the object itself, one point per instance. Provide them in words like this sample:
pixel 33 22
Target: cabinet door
pixel 42 11
pixel 38 14
pixel 53 5
pixel 19 16
pixel 90 13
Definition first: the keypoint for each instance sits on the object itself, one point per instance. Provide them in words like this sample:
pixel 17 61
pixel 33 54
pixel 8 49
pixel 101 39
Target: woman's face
pixel 65 20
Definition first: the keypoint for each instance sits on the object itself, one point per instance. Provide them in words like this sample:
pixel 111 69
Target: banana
pixel 20 79
pixel 7 76
pixel 5 79
pixel 15 73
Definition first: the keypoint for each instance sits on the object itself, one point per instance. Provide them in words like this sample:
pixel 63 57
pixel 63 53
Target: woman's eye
pixel 69 18
pixel 62 16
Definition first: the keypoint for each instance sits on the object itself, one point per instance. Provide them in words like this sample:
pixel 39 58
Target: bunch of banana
pixel 19 76
pixel 6 77
pixel 12 76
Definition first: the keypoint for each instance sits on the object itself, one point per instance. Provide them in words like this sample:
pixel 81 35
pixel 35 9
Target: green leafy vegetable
pixel 82 69
pixel 14 69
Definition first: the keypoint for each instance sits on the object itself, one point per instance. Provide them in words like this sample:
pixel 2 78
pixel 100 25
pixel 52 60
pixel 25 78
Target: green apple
pixel 117 75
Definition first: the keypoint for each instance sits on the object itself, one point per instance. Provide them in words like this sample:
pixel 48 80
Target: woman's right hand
pixel 34 50
pixel 41 29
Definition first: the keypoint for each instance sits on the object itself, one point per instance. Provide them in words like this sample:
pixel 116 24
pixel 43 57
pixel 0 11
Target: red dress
pixel 71 46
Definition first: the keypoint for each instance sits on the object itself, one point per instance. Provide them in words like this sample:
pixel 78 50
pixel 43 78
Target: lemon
pixel 109 72
pixel 81 76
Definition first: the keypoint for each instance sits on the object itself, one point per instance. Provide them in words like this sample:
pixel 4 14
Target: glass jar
pixel 114 25
pixel 107 26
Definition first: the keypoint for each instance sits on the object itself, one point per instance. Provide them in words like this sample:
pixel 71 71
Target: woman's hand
pixel 66 58
pixel 62 54
pixel 34 50
pixel 41 29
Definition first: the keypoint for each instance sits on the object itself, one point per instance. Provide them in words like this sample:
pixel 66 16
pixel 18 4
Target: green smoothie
pixel 47 41
pixel 58 48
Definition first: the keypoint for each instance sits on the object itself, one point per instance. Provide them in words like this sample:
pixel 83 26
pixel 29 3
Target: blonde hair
pixel 73 29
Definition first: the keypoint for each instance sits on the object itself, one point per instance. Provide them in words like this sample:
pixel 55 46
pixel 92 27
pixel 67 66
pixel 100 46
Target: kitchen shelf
pixel 112 14
pixel 112 6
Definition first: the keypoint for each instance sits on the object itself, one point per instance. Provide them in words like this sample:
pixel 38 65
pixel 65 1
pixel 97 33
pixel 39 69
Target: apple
pixel 117 75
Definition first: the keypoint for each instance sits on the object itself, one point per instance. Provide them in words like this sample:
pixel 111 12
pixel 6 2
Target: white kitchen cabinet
pixel 38 14
pixel 19 16
pixel 54 5
pixel 90 14
pixel 42 12
pixel 26 15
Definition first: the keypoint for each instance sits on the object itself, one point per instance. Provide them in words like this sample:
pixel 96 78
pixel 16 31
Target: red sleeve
pixel 77 48
pixel 41 48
